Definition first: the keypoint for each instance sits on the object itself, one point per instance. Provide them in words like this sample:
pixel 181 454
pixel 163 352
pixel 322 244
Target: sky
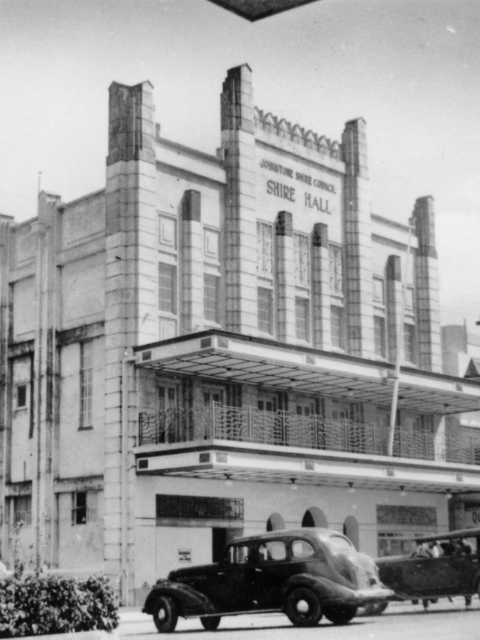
pixel 411 68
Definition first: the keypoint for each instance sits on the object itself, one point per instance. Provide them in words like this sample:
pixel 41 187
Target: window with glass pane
pixel 22 510
pixel 210 297
pixel 336 269
pixel 166 287
pixel 336 327
pixel 302 319
pixel 379 336
pixel 86 384
pixel 265 310
pixel 409 298
pixel 302 259
pixel 409 342
pixel 264 250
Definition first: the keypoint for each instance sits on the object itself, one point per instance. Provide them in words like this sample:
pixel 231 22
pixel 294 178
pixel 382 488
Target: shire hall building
pixel 206 348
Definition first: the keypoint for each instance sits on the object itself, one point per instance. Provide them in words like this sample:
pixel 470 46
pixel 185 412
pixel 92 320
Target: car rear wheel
pixel 211 623
pixel 341 614
pixel 165 614
pixel 303 608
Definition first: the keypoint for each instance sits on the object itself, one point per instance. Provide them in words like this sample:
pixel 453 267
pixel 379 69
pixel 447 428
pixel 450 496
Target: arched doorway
pixel 352 531
pixel 275 522
pixel 314 517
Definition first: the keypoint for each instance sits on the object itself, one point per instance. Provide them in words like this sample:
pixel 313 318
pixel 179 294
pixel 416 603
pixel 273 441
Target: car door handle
pixel 258 570
pixel 220 573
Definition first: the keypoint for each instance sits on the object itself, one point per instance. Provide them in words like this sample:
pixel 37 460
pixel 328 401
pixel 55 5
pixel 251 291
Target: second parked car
pixel 305 573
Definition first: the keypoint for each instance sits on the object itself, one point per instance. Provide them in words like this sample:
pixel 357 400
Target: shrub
pixel 55 604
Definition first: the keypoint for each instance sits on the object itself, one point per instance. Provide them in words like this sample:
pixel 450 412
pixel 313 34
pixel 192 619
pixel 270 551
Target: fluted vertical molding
pixel 238 143
pixel 192 262
pixel 394 304
pixel 358 244
pixel 321 287
pixel 426 281
pixel 285 277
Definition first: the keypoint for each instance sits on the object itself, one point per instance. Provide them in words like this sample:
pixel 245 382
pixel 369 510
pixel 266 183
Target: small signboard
pixel 472 517
pixel 185 556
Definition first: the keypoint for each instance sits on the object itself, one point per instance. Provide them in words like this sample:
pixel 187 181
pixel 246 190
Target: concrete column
pixel 5 387
pixel 192 263
pixel 426 285
pixel 285 277
pixel 131 301
pixel 358 245
pixel 321 287
pixel 45 377
pixel 394 305
pixel 238 143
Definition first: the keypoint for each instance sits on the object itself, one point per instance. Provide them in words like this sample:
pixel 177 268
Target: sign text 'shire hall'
pixel 288 193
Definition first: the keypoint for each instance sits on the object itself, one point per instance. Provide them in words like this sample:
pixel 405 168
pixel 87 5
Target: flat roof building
pixel 205 349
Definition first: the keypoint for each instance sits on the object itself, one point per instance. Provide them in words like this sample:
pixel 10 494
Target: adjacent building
pixel 205 348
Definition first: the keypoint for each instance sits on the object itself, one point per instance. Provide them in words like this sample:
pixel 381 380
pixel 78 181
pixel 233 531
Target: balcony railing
pixel 281 428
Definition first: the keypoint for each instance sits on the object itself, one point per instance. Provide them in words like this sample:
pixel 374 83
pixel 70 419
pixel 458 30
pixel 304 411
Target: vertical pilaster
pixel 426 281
pixel 5 385
pixel 394 304
pixel 238 142
pixel 285 277
pixel 192 262
pixel 44 378
pixel 358 245
pixel 131 306
pixel 321 287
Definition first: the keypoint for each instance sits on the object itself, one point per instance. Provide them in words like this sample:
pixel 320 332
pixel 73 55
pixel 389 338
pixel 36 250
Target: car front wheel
pixel 303 608
pixel 211 623
pixel 165 614
pixel 341 614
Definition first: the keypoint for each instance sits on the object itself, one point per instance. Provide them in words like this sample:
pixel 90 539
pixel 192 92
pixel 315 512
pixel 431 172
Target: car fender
pixel 189 601
pixel 328 592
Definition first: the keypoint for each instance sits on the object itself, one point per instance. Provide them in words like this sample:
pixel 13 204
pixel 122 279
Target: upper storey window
pixel 302 259
pixel 264 250
pixel 336 269
pixel 166 287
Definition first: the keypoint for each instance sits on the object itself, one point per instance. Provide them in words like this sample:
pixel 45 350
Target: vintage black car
pixel 426 577
pixel 305 573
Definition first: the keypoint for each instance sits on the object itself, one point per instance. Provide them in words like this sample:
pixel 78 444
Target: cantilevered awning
pixel 230 357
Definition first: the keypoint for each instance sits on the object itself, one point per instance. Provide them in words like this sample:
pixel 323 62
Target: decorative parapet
pixel 295 133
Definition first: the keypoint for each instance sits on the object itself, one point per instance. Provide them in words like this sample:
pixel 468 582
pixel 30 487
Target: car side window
pixel 302 549
pixel 240 554
pixel 273 551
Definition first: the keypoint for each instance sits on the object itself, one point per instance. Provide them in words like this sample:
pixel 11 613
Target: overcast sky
pixel 411 68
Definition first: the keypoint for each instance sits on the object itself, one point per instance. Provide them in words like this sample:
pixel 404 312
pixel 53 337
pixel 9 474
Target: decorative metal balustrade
pixel 284 429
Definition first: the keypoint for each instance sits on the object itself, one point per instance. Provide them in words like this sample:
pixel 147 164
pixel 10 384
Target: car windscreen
pixel 339 543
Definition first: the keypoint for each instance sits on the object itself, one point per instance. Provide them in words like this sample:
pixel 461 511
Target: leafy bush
pixel 55 604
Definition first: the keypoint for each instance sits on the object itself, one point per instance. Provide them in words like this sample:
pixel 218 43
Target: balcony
pixel 284 429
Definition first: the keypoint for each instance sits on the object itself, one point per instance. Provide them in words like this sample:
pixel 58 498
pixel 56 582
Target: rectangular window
pixel 336 269
pixel 265 310
pixel 264 250
pixel 166 287
pixel 409 342
pixel 86 384
pixel 379 336
pixel 198 508
pixel 84 507
pixel 210 297
pixel 409 299
pixel 302 259
pixel 302 324
pixel 22 510
pixel 167 236
pixel 336 327
pixel 378 291
pixel 21 396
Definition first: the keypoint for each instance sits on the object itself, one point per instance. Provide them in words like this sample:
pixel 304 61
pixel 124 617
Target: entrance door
pixel 265 427
pixel 214 423
pixel 168 417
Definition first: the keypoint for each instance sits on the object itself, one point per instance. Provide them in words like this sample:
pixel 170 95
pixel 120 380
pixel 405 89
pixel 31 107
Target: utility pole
pixel 398 354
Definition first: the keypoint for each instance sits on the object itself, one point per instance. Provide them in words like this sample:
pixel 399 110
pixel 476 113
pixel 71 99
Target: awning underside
pixel 232 367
